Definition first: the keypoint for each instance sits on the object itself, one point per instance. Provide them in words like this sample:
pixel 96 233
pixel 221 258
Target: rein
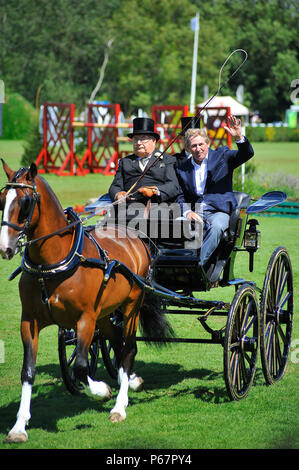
pixel 24 229
pixel 52 234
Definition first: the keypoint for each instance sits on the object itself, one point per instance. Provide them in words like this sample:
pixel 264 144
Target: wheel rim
pixel 242 341
pixel 67 356
pixel 277 316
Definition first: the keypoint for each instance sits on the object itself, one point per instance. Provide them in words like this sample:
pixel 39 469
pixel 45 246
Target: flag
pixel 2 92
pixel 194 23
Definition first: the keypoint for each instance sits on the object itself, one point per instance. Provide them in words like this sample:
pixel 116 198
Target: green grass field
pixel 184 404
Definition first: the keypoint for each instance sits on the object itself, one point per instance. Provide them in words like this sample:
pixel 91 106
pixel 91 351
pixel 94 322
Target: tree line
pixel 55 51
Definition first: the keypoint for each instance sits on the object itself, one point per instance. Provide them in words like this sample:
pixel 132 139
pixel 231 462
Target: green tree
pixel 57 44
pixel 58 48
pixel 151 61
pixel 268 30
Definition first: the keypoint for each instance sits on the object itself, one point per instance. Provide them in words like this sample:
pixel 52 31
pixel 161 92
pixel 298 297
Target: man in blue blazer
pixel 206 182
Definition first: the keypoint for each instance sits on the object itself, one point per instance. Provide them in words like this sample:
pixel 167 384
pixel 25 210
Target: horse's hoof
pixel 15 437
pixel 136 383
pixel 98 390
pixel 116 418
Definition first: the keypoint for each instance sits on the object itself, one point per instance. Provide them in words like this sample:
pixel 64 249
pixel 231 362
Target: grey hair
pixel 190 133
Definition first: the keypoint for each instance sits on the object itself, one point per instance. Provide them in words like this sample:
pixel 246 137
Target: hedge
pixel 272 134
pixel 18 117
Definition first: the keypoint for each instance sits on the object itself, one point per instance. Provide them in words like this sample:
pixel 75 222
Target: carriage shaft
pixel 180 340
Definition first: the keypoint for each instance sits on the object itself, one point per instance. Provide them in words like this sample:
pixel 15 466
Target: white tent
pixel 236 108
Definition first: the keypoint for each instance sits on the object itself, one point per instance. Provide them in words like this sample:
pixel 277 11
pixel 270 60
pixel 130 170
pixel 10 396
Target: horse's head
pixel 17 201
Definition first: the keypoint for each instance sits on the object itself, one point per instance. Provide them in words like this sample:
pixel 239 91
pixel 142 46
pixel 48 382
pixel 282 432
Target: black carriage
pixel 258 319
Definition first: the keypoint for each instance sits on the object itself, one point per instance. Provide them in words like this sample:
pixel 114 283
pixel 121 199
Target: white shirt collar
pixel 204 162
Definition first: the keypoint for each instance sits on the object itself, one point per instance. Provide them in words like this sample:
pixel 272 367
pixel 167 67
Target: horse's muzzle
pixel 7 254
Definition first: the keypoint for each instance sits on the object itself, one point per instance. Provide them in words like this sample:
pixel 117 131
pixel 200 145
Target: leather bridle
pixel 33 201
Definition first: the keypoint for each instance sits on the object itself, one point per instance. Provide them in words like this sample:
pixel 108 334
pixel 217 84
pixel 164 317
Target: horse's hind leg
pixel 116 338
pixel 85 332
pixel 29 333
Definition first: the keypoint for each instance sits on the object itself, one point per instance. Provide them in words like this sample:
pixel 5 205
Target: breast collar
pixel 69 263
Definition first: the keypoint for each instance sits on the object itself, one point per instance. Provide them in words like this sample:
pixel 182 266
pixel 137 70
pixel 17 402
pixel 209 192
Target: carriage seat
pixel 180 260
pixel 221 255
pixel 229 236
pixel 243 201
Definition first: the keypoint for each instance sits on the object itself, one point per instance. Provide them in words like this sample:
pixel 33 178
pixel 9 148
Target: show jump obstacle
pixel 94 146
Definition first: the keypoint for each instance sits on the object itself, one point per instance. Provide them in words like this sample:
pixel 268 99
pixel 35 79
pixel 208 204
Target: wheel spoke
pixel 271 296
pixel 278 355
pixel 281 334
pixel 245 317
pixel 282 286
pixel 92 352
pixel 242 368
pixel 238 375
pixel 250 323
pixel 236 372
pixel 280 266
pixel 283 301
pixel 234 366
pixel 249 360
pixel 274 354
pixel 269 340
pixel 72 357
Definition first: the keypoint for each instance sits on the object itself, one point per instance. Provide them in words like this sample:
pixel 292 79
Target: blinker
pixel 25 203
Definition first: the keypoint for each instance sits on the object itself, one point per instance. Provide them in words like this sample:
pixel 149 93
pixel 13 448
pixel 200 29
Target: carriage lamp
pixel 252 236
pixel 252 240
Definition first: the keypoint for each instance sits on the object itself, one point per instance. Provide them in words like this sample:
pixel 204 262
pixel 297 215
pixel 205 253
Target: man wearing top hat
pixel 159 183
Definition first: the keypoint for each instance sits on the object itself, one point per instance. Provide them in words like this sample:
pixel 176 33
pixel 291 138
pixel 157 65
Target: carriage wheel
pixel 108 354
pixel 108 357
pixel 276 315
pixel 241 343
pixel 67 351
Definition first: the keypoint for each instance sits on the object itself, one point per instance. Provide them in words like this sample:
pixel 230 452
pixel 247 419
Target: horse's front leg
pixel 118 413
pixel 85 332
pixel 29 333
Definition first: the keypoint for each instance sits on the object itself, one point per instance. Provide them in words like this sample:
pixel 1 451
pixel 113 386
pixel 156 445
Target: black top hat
pixel 144 126
pixel 190 122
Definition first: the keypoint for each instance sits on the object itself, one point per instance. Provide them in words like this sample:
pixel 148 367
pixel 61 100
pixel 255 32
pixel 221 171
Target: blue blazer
pixel 218 191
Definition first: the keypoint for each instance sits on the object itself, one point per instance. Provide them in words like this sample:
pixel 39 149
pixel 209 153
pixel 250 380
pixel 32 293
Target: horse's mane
pixel 50 190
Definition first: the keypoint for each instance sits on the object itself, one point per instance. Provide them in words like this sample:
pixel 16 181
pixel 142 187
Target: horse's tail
pixel 153 323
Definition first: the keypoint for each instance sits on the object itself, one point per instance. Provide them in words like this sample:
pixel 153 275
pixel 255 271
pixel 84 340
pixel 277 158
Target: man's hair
pixel 190 133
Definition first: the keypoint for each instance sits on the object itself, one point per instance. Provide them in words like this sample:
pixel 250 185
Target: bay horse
pixel 64 281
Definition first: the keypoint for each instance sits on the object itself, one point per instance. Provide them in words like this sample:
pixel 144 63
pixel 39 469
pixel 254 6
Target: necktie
pixel 143 162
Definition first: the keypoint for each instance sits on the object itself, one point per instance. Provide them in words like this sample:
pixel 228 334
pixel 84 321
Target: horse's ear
pixel 32 172
pixel 8 171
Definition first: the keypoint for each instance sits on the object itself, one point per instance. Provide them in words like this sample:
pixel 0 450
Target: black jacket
pixel 162 175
